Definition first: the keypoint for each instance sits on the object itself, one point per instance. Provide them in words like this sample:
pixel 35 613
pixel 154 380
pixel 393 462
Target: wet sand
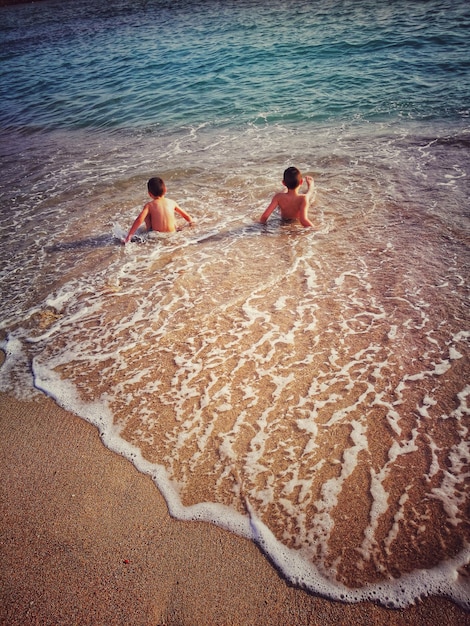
pixel 87 539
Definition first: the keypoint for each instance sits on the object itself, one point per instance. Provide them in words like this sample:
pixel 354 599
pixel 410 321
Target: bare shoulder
pixel 279 197
pixel 170 204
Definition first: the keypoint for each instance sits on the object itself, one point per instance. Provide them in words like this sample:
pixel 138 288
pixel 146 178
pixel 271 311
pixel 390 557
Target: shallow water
pixel 306 388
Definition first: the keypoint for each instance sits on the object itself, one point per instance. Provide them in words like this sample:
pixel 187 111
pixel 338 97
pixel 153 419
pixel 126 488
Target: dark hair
pixel 292 178
pixel 156 187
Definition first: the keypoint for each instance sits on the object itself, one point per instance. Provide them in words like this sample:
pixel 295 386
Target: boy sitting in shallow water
pixel 159 213
pixel 293 205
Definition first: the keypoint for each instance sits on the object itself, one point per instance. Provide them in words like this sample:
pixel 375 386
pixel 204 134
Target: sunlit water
pixel 306 388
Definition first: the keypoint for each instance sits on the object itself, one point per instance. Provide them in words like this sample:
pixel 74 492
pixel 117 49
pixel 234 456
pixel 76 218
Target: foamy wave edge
pixel 442 580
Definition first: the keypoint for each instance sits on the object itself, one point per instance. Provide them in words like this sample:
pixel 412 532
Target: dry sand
pixel 87 539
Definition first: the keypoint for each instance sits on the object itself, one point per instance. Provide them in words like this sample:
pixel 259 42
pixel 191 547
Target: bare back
pixel 291 205
pixel 158 215
pixel 162 214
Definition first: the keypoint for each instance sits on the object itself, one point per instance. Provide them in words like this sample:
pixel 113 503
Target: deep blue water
pixel 127 64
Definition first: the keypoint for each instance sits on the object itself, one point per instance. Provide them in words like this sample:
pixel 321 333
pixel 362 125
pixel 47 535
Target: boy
pixel 159 213
pixel 293 205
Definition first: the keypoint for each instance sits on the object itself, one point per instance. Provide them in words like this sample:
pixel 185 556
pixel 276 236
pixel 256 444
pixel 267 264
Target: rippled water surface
pixel 306 388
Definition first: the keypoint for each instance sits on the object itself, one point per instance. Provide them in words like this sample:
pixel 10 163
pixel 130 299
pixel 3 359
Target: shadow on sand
pixel 91 242
pixel 102 241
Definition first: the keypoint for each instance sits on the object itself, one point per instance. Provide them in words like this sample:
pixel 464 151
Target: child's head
pixel 292 178
pixel 156 187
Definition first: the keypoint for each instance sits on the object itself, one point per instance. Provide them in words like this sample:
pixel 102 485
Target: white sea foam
pixel 442 579
pixel 301 388
pixel 203 388
pixel 306 388
pixel 14 372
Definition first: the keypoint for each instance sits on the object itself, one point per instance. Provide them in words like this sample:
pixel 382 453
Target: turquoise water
pixel 305 388
pixel 150 65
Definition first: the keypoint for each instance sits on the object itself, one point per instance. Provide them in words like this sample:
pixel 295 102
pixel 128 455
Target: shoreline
pixel 87 539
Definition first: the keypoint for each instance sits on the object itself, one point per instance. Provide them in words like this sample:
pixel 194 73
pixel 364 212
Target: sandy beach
pixel 314 380
pixel 87 539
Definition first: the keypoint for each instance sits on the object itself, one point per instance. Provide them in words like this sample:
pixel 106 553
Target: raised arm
pixel 309 195
pixel 310 188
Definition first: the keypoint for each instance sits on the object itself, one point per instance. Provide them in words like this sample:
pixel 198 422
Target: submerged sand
pixel 87 539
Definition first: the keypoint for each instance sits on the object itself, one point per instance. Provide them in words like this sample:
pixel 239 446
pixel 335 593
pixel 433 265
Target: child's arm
pixel 137 224
pixel 272 205
pixel 310 188
pixel 303 213
pixel 183 214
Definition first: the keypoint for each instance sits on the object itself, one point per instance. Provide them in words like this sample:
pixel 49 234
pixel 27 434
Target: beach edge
pixel 87 539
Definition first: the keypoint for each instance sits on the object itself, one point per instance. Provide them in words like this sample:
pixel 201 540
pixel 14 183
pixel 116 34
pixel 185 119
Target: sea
pixel 306 388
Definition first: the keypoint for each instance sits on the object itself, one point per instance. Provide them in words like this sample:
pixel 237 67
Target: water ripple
pixel 110 68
